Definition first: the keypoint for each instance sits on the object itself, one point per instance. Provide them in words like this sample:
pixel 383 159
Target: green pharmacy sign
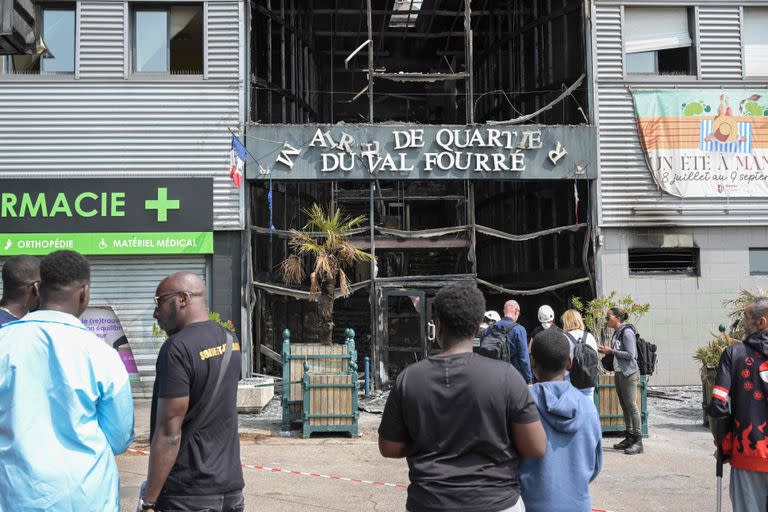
pixel 103 216
pixel 107 243
pixel 104 205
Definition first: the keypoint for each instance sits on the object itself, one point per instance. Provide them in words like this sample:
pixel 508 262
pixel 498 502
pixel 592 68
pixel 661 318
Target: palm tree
pixel 325 239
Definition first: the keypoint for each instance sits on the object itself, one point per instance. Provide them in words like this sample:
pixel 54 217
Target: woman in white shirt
pixel 573 324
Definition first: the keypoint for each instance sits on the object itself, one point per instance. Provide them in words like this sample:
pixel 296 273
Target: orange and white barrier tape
pixel 318 475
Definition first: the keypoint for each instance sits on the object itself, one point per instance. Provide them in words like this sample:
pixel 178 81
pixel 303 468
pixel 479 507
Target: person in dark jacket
pixel 740 396
pixel 627 377
pixel 21 288
pixel 518 346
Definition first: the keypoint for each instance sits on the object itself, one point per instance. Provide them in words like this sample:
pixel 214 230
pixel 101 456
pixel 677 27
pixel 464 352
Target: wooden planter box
pixel 707 384
pixel 607 403
pixel 330 401
pixel 320 385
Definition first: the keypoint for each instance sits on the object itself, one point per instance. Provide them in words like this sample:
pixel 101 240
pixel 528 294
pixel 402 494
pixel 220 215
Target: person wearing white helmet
pixel 546 320
pixel 491 317
pixel 546 316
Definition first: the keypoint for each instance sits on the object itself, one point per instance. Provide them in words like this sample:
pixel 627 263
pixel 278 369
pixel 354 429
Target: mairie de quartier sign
pixel 420 152
pixel 106 216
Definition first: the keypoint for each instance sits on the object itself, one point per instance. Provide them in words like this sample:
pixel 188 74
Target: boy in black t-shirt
pixel 202 472
pixel 461 420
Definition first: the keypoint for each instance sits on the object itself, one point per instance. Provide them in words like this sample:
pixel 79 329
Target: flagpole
pixel 244 147
pixel 269 172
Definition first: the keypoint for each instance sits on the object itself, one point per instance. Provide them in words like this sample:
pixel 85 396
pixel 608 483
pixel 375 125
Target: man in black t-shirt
pixel 198 470
pixel 461 420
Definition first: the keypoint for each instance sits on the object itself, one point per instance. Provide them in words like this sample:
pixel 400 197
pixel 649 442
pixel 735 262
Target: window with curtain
pixel 658 41
pixel 168 39
pixel 755 40
pixel 55 43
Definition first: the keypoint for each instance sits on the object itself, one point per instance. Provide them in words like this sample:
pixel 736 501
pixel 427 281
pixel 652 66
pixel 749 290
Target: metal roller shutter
pixel 647 29
pixel 128 285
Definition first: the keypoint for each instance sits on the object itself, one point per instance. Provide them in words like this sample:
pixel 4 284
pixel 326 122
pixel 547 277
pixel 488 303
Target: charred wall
pixel 521 54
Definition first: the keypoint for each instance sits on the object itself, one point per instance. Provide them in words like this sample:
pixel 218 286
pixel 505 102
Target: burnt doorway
pixel 405 333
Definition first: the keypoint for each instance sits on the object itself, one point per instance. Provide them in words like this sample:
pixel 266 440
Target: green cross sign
pixel 162 204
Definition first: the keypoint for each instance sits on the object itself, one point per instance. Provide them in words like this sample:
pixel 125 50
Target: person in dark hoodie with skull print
pixel 740 399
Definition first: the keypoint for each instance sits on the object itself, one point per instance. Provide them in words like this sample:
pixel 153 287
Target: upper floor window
pixel 56 25
pixel 758 261
pixel 168 39
pixel 657 41
pixel 755 38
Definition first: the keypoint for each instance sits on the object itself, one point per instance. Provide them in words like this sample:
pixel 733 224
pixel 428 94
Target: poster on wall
pixel 705 143
pixel 104 323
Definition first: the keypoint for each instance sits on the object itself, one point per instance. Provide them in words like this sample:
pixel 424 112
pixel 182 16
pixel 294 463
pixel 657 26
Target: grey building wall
pixel 104 121
pixel 684 310
pixel 627 194
pixel 632 212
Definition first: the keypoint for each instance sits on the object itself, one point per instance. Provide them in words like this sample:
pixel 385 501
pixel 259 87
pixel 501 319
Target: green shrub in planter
pixel 709 357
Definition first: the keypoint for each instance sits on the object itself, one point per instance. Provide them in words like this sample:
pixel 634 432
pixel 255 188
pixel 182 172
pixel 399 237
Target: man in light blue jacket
pixel 559 481
pixel 65 401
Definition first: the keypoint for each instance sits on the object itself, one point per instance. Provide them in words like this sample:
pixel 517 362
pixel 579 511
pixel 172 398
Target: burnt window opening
pixel 659 41
pixel 675 261
pixel 676 61
pixel 673 61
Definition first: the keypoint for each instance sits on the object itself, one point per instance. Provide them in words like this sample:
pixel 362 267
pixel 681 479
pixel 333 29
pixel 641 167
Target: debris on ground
pixel 652 393
pixel 677 402
pixel 373 404
pixel 664 404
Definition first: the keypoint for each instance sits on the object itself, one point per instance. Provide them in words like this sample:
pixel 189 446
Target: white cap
pixel 546 315
pixel 492 315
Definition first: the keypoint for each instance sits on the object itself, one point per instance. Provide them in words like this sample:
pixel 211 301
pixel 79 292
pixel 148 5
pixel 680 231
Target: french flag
pixel 237 157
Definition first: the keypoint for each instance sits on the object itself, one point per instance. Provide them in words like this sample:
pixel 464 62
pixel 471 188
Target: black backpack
pixel 646 352
pixel 495 344
pixel 583 372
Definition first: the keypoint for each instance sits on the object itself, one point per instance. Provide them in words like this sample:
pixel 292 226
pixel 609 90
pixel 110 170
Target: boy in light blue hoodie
pixel 559 481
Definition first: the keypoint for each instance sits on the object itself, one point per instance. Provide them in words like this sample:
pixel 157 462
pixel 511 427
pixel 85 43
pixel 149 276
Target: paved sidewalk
pixel 676 474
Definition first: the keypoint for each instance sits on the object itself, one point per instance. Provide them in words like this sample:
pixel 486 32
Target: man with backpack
pixel 517 347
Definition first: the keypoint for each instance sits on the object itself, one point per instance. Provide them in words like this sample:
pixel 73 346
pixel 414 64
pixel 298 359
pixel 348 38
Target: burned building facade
pixel 461 131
